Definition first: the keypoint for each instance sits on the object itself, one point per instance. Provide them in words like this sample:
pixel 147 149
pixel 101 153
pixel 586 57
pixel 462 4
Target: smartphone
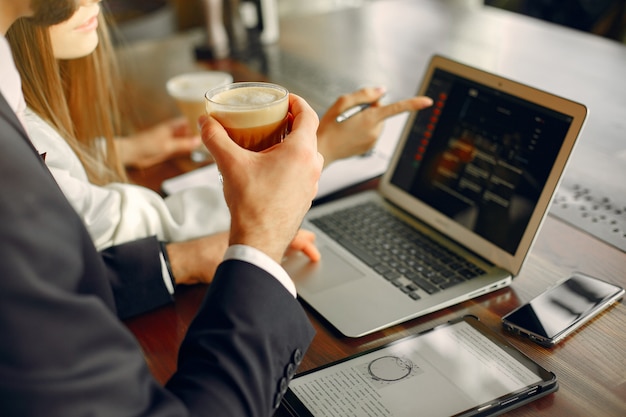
pixel 560 310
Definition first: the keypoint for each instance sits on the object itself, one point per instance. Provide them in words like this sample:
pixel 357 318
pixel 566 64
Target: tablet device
pixel 461 368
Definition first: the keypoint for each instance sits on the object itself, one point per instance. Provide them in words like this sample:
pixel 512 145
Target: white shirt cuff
pixel 260 259
pixel 166 274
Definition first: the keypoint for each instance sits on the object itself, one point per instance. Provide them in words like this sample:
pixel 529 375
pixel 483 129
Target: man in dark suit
pixel 63 351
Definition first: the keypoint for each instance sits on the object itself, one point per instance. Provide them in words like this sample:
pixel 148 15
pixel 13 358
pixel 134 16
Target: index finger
pixel 411 104
pixel 304 116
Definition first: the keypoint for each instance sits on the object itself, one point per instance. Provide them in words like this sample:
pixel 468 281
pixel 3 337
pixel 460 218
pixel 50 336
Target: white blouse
pixel 118 213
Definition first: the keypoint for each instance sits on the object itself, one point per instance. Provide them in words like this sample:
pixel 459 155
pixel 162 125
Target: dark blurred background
pixel 146 19
pixel 602 17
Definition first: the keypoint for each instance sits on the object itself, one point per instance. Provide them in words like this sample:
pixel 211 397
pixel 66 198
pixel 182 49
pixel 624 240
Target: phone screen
pixel 558 311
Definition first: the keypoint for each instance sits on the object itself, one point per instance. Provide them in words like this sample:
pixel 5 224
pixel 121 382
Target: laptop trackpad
pixel 330 271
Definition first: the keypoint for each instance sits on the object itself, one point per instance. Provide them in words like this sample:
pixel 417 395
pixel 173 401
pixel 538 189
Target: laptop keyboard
pixel 402 255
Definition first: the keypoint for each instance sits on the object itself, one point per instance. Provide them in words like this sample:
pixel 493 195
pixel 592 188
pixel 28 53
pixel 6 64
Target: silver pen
pixel 352 111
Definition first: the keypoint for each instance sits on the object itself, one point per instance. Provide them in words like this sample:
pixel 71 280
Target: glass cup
pixel 188 91
pixel 255 114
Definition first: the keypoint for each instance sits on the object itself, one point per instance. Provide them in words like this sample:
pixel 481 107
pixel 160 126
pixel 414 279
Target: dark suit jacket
pixel 63 351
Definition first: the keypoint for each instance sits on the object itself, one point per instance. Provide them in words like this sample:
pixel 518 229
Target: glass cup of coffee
pixel 188 91
pixel 255 114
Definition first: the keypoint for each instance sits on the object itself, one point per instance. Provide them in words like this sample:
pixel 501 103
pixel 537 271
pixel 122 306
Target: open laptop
pixel 474 175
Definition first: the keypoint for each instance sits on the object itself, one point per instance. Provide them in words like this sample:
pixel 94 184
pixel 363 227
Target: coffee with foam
pixel 253 114
pixel 188 90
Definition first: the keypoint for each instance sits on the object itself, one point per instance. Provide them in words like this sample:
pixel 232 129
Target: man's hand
pixel 269 192
pixel 195 261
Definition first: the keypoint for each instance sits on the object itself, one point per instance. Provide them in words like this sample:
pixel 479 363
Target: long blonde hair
pixel 78 97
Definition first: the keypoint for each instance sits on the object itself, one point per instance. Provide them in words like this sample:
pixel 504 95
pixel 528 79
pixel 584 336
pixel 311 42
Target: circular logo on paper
pixel 388 369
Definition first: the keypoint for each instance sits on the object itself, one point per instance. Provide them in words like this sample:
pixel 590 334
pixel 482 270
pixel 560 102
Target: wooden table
pixel 401 35
pixel 590 365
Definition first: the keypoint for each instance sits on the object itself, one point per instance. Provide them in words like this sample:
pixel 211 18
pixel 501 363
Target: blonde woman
pixel 69 82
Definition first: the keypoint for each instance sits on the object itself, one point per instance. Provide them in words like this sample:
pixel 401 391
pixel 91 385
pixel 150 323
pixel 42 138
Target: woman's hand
pixel 358 134
pixel 159 143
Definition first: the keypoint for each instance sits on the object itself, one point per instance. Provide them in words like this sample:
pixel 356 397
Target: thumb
pixel 217 141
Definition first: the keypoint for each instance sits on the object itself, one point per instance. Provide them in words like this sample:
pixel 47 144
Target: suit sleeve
pixel 136 277
pixel 244 346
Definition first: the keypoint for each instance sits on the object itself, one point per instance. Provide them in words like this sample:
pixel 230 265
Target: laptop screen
pixel 480 156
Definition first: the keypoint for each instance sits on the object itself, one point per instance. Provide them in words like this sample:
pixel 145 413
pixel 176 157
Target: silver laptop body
pixel 475 173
